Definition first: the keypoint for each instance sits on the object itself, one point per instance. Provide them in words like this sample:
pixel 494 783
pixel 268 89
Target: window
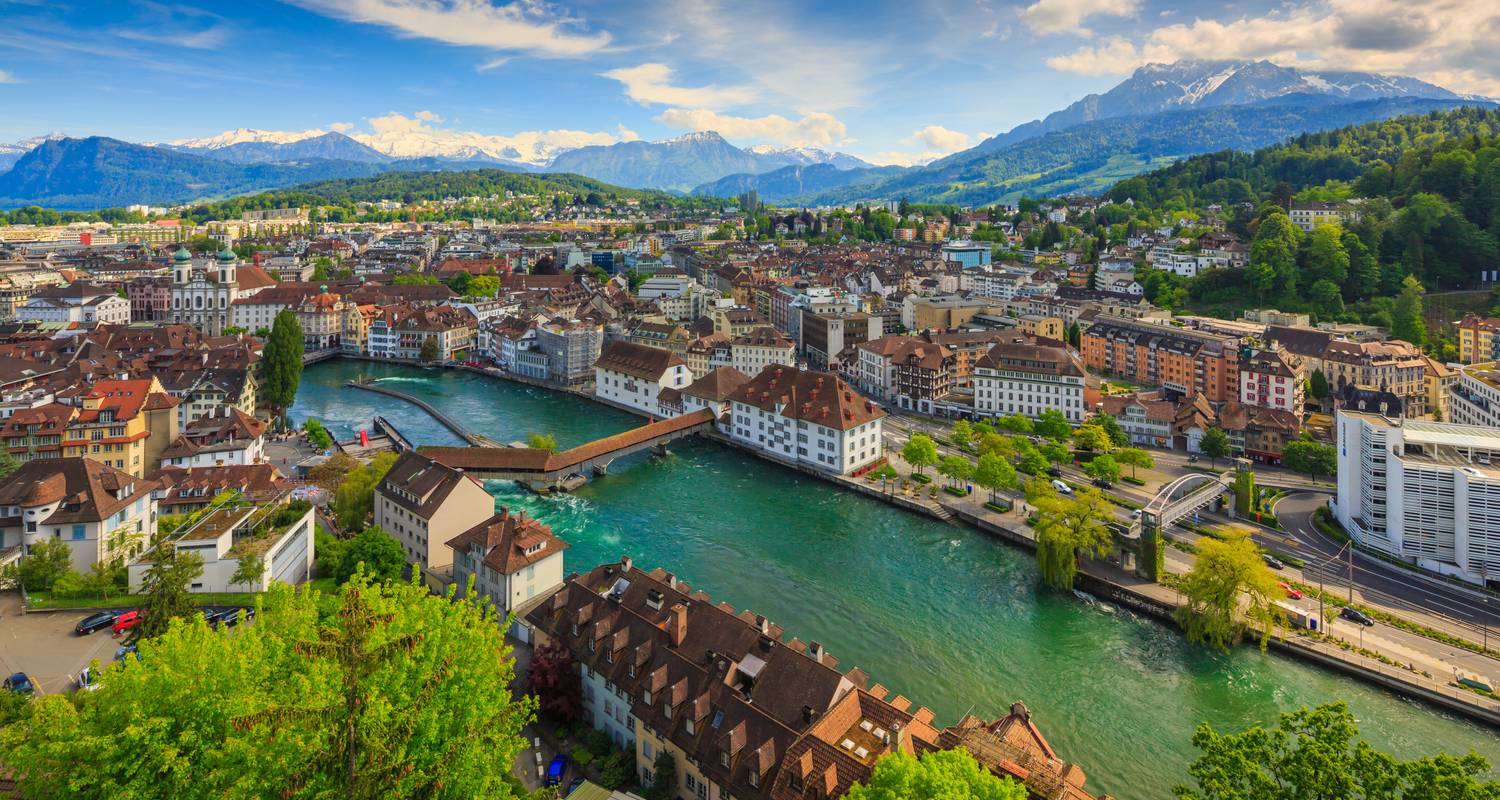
pixel 77 532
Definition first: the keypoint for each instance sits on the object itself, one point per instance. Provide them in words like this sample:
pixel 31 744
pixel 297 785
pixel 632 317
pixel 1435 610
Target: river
pixel 942 614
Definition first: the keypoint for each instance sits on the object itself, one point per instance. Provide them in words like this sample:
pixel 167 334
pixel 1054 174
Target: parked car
pixel 556 769
pixel 127 620
pixel 1055 471
pixel 121 653
pixel 20 683
pixel 573 787
pixel 1292 593
pixel 88 680
pixel 1061 487
pixel 1192 458
pixel 229 617
pixel 1272 561
pixel 96 622
pixel 1103 484
pixel 1355 615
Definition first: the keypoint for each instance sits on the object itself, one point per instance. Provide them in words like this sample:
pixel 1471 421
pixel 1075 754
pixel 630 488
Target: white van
pixel 1062 488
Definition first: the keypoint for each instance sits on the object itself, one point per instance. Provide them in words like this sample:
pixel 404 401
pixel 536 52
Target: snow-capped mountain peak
pixel 239 135
pixel 26 145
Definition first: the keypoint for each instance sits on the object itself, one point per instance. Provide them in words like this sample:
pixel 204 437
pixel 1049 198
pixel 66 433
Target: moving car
pixel 20 683
pixel 1272 561
pixel 1055 471
pixel 1103 484
pixel 1061 487
pixel 96 622
pixel 127 620
pixel 556 769
pixel 1355 615
pixel 1290 592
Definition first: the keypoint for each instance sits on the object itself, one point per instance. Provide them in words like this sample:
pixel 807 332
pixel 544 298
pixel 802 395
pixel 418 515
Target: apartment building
pixel 1180 360
pixel 100 512
pixel 1477 342
pixel 1425 492
pixel 511 558
pixel 569 349
pixel 636 376
pixel 761 348
pixel 1475 398
pixel 1274 378
pixel 825 336
pixel 809 418
pixel 1017 378
pixel 424 505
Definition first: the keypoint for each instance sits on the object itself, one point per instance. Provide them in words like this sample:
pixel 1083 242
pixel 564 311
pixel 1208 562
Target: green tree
pixel 542 441
pixel 1117 435
pixel 1103 468
pixel 46 561
pixel 1317 385
pixel 1030 460
pixel 165 590
pixel 1052 424
pixel 1316 753
pixel 1407 323
pixel 1364 269
pixel 1093 438
pixel 1273 254
pixel 317 435
pixel 8 464
pixel 1323 255
pixel 1310 457
pixel 935 775
pixel 1226 574
pixel 281 363
pixel 249 571
pixel 1055 452
pixel 996 444
pixel 1214 444
pixel 1135 457
pixel 920 452
pixel 380 556
pixel 956 469
pixel 963 433
pixel 995 473
pixel 1067 527
pixel 395 694
pixel 663 777
pixel 430 351
pixel 484 287
pixel 354 499
pixel 1015 423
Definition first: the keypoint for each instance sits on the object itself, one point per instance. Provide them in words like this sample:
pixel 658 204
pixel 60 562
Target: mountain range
pixel 1161 113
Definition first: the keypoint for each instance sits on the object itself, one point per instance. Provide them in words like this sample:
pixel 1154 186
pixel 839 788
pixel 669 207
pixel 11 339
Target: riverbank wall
pixel 1109 583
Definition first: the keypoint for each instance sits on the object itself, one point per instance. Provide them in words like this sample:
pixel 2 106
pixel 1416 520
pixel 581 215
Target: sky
pixel 891 82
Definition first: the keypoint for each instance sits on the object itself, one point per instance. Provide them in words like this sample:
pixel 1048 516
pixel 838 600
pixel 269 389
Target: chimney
pixel 677 623
pixel 671 580
pixel 625 563
pixel 815 652
pixel 762 623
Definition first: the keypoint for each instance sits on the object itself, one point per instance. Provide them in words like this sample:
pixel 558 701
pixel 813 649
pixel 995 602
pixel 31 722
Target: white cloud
pixel 936 137
pixel 652 84
pixel 1447 42
pixel 813 129
pixel 341 127
pixel 405 136
pixel 524 26
pixel 899 158
pixel 1063 16
pixel 7 77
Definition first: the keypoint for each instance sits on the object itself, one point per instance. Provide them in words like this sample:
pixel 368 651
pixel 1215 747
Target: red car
pixel 1290 592
pixel 127 620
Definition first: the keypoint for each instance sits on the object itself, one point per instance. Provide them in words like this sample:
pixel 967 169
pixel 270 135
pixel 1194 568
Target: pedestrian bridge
pixel 545 471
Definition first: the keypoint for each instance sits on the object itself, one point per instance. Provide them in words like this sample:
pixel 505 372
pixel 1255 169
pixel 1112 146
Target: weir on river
pixel 940 613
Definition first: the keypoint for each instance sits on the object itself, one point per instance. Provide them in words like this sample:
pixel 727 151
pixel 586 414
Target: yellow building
pixel 1476 339
pixel 125 424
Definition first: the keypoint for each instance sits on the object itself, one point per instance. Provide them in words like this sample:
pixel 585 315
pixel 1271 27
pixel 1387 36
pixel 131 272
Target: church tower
pixel 227 261
pixel 182 266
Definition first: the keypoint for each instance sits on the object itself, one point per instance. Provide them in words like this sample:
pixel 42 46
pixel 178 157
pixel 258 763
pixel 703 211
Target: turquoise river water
pixel 939 613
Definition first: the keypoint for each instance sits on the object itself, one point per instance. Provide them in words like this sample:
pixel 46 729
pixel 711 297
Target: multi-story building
pixel 569 349
pixel 761 348
pixel 1273 378
pixel 825 336
pixel 1146 420
pixel 1426 492
pixel 150 298
pixel 202 293
pixel 1396 367
pixel 401 332
pixel 424 505
pixel 512 559
pixel 1477 342
pixel 100 512
pixel 125 424
pixel 1183 361
pixel 1475 398
pixel 808 418
pixel 637 376
pixel 77 302
pixel 1015 378
pixel 322 319
pixel 1308 216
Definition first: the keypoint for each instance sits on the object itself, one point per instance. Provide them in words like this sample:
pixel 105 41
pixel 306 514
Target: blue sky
pixel 889 81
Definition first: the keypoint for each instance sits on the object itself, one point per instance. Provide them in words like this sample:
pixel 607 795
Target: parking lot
pixel 42 645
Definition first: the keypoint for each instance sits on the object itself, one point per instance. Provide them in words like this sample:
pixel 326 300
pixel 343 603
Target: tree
pixel 430 351
pixel 1031 461
pixel 1214 444
pixel 1317 385
pixel 1313 458
pixel 165 591
pixel 995 473
pixel 1407 323
pixel 380 556
pixel 1053 425
pixel 354 499
pixel 1273 254
pixel 1316 753
pixel 935 775
pixel 920 452
pixel 1055 452
pixel 8 464
pixel 1015 423
pixel 1093 438
pixel 395 694
pixel 46 561
pixel 1225 571
pixel 484 287
pixel 955 468
pixel 1135 457
pixel 1117 435
pixel 542 441
pixel 997 444
pixel 1104 468
pixel 251 568
pixel 553 680
pixel 663 777
pixel 281 363
pixel 330 473
pixel 317 435
pixel 963 433
pixel 1067 527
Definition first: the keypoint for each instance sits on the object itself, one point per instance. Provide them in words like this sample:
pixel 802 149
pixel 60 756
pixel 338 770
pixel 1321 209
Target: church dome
pixel 182 255
pixel 226 256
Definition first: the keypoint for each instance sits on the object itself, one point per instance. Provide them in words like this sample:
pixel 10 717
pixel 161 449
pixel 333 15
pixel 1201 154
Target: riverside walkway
pixel 446 421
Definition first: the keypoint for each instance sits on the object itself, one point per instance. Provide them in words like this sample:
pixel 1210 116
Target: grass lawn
pixel 39 601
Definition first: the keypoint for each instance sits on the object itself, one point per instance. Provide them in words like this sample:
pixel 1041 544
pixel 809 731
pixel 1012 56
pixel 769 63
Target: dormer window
pixel 690 726
pixel 646 696
pixel 724 758
pixel 666 708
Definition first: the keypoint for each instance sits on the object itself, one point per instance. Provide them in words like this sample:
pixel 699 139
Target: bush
pixel 618 770
pixel 1132 480
pixel 581 756
pixel 956 491
pixel 998 505
pixel 917 478
pixel 598 743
